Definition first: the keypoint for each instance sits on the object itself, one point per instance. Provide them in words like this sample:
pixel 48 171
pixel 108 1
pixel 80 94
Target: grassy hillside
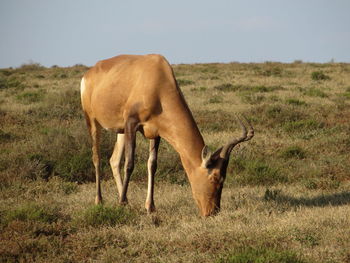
pixel 286 197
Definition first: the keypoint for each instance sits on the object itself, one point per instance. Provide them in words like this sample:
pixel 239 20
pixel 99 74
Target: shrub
pixel 184 82
pixel 30 97
pixel 273 71
pixel 216 99
pixel 296 102
pixel 6 136
pixel 215 120
pixel 271 195
pixel 253 172
pixel 41 167
pixel 11 82
pixel 251 98
pixel 319 75
pixel 31 66
pixel 313 92
pixel 276 115
pixel 99 215
pixel 6 72
pixel 68 187
pixel 32 212
pixel 250 254
pixel 293 152
pixel 75 167
pixel 226 87
pixel 302 125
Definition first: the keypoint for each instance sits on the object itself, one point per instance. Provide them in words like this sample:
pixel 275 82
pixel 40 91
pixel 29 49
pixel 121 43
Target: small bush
pixel 76 167
pixel 69 187
pixel 309 239
pixel 215 120
pixel 293 152
pixel 32 212
pixel 302 125
pixel 11 82
pixel 251 98
pixel 250 255
pixel 313 92
pixel 41 167
pixel 226 87
pixel 216 99
pixel 30 97
pixel 6 72
pixel 271 195
pixel 321 183
pixel 199 89
pixel 184 82
pixel 32 66
pixel 6 136
pixel 276 115
pixel 257 172
pixel 99 215
pixel 319 75
pixel 296 102
pixel 269 72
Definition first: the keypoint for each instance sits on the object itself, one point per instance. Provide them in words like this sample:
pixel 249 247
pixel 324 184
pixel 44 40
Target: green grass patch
pixel 30 97
pixel 251 98
pixel 101 215
pixel 41 167
pixel 228 87
pixel 216 99
pixel 296 102
pixel 293 152
pixel 302 125
pixel 324 183
pixel 184 82
pixel 215 120
pixel 256 172
pixel 69 187
pixel 6 136
pixel 261 255
pixel 275 115
pixel 75 167
pixel 31 67
pixel 314 92
pixel 201 89
pixel 31 212
pixel 11 82
pixel 319 75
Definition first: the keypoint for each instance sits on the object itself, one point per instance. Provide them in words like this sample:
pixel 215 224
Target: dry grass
pixel 286 198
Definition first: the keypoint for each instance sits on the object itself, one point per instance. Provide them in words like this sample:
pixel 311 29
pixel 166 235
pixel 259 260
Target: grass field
pixel 286 197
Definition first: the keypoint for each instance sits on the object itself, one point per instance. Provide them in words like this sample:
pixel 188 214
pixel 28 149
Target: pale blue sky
pixel 67 32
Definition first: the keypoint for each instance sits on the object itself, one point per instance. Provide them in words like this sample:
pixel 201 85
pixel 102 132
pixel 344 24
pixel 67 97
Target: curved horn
pixel 245 136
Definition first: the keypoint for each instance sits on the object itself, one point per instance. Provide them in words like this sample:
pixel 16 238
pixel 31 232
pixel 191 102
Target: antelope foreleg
pixel 115 162
pixel 95 131
pixel 152 167
pixel 130 142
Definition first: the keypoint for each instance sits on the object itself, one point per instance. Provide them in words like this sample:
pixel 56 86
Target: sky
pixel 69 32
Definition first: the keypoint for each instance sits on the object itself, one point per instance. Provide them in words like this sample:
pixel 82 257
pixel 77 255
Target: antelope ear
pixel 206 155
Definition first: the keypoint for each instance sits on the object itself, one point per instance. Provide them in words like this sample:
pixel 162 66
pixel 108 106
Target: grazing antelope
pixel 131 93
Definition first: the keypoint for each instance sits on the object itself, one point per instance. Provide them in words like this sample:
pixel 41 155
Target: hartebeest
pixel 131 93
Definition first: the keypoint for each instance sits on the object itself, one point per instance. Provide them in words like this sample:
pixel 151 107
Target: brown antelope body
pixel 131 93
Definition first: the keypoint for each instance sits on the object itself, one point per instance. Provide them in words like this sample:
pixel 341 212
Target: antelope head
pixel 209 178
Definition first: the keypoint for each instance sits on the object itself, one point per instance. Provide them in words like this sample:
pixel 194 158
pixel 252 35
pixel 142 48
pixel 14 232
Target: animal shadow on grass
pixel 336 199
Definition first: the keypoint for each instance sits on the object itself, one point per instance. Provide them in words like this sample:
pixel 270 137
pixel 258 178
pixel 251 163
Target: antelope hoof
pixel 150 207
pixel 98 200
pixel 123 202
